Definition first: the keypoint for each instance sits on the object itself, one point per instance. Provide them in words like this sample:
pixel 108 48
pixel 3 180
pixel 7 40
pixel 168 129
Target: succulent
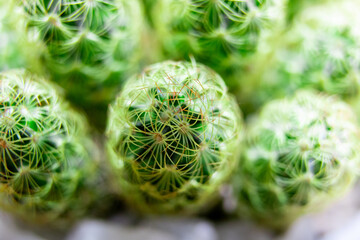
pixel 219 33
pixel 173 137
pixel 320 51
pixel 89 46
pixel 300 154
pixel 45 161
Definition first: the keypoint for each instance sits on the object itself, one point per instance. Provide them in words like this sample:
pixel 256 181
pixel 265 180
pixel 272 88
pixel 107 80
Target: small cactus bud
pixel 173 137
pixel 301 154
pixel 44 161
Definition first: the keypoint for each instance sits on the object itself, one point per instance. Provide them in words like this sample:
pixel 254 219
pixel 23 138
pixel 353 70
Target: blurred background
pixel 339 221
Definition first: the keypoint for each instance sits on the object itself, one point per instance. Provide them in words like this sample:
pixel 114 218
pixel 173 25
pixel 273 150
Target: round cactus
pixel 300 154
pixel 173 137
pixel 44 163
pixel 88 46
pixel 320 51
pixel 219 33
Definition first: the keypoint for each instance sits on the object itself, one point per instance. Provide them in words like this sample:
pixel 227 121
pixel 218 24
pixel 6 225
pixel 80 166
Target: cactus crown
pixel 204 27
pixel 300 152
pixel 171 129
pixel 40 145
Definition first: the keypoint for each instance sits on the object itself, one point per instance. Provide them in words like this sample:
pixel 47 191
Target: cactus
pixel 88 46
pixel 218 33
pixel 173 136
pixel 300 154
pixel 320 51
pixel 45 159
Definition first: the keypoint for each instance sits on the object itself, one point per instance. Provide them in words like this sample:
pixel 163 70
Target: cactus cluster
pixel 88 47
pixel 173 133
pixel 44 150
pixel 300 154
pixel 173 137
pixel 218 33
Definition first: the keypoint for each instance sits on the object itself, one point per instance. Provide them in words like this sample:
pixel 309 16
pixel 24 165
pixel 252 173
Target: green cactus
pixel 173 137
pixel 320 51
pixel 89 46
pixel 218 33
pixel 44 151
pixel 301 153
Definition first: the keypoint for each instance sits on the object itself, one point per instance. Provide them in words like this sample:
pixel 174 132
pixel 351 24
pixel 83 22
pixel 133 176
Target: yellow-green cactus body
pixel 300 154
pixel 173 137
pixel 44 151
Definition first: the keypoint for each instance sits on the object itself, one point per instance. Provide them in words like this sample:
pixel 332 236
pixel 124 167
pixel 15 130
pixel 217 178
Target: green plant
pixel 88 46
pixel 320 51
pixel 173 137
pixel 300 154
pixel 45 161
pixel 219 33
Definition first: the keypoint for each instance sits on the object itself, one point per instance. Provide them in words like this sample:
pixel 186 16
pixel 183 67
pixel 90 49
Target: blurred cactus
pixel 89 46
pixel 218 33
pixel 173 137
pixel 295 7
pixel 301 154
pixel 45 158
pixel 320 51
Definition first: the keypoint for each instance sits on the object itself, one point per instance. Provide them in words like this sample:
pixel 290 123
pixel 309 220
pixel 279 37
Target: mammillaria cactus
pixel 301 153
pixel 219 33
pixel 320 51
pixel 173 137
pixel 44 157
pixel 89 45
